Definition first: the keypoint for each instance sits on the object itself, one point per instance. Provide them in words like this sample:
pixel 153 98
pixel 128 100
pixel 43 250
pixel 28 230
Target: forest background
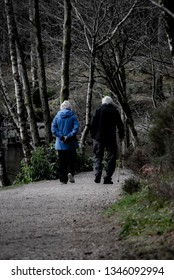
pixel 82 50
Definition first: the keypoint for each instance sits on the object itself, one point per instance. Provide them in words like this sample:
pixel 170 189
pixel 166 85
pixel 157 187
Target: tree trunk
pixel 26 87
pixel 95 44
pixel 130 122
pixel 169 21
pixel 88 99
pixel 158 96
pixel 41 75
pixel 10 108
pixel 3 175
pixel 27 98
pixel 115 78
pixel 33 59
pixel 26 90
pixel 153 81
pixel 64 92
pixel 21 110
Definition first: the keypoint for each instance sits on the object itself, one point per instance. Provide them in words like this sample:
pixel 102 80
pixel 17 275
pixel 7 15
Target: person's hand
pixel 64 139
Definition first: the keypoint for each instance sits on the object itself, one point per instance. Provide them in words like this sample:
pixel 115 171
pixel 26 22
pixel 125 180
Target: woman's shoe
pixel 97 179
pixel 71 178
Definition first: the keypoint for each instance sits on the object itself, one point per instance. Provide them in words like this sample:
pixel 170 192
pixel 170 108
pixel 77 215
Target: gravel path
pixel 47 220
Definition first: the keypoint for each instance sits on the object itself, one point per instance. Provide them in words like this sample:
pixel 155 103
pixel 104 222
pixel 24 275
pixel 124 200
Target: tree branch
pixel 162 8
pixel 100 45
pixel 84 26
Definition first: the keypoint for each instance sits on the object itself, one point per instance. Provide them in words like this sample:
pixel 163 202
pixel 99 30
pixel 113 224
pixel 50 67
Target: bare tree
pixel 96 40
pixel 167 8
pixel 33 60
pixel 26 92
pixel 169 20
pixel 112 70
pixel 25 86
pixel 9 106
pixel 64 92
pixel 41 74
pixel 21 110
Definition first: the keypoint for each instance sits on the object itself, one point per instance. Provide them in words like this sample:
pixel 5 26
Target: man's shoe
pixel 107 181
pixel 63 183
pixel 71 178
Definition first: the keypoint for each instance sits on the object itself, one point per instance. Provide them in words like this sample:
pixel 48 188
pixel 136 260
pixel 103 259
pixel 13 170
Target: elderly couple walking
pixel 65 127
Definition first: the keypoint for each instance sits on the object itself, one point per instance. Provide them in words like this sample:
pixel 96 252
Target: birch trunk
pixel 21 110
pixel 26 89
pixel 10 108
pixel 27 95
pixel 88 100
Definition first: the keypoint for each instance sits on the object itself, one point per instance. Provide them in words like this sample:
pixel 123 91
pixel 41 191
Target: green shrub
pixel 84 163
pixel 132 185
pixel 44 165
pixel 24 176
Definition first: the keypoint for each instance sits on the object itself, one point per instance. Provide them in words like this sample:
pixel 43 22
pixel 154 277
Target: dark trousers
pixel 67 161
pixel 99 150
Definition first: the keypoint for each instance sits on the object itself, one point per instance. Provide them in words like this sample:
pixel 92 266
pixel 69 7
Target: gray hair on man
pixel 107 100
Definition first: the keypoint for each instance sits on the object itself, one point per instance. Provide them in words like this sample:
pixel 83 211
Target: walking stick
pixel 119 159
pixel 118 171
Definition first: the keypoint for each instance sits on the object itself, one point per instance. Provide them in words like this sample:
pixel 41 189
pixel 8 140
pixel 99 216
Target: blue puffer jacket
pixel 65 123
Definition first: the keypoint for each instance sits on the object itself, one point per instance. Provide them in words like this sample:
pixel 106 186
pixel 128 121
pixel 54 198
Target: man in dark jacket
pixel 103 132
pixel 65 127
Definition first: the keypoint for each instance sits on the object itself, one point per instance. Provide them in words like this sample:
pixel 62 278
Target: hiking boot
pixel 71 178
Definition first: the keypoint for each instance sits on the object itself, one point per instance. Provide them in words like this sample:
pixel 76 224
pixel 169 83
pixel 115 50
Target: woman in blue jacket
pixel 65 127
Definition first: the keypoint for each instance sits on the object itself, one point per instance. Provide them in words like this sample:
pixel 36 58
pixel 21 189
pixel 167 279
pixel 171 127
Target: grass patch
pixel 140 214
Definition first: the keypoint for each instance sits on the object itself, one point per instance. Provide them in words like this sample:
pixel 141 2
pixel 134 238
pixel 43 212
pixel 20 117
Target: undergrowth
pixel 44 165
pixel 141 213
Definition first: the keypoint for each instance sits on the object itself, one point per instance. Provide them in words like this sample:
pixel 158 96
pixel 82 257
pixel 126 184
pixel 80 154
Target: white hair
pixel 107 100
pixel 65 105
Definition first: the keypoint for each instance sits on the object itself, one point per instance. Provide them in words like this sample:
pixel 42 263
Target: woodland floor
pixel 47 220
